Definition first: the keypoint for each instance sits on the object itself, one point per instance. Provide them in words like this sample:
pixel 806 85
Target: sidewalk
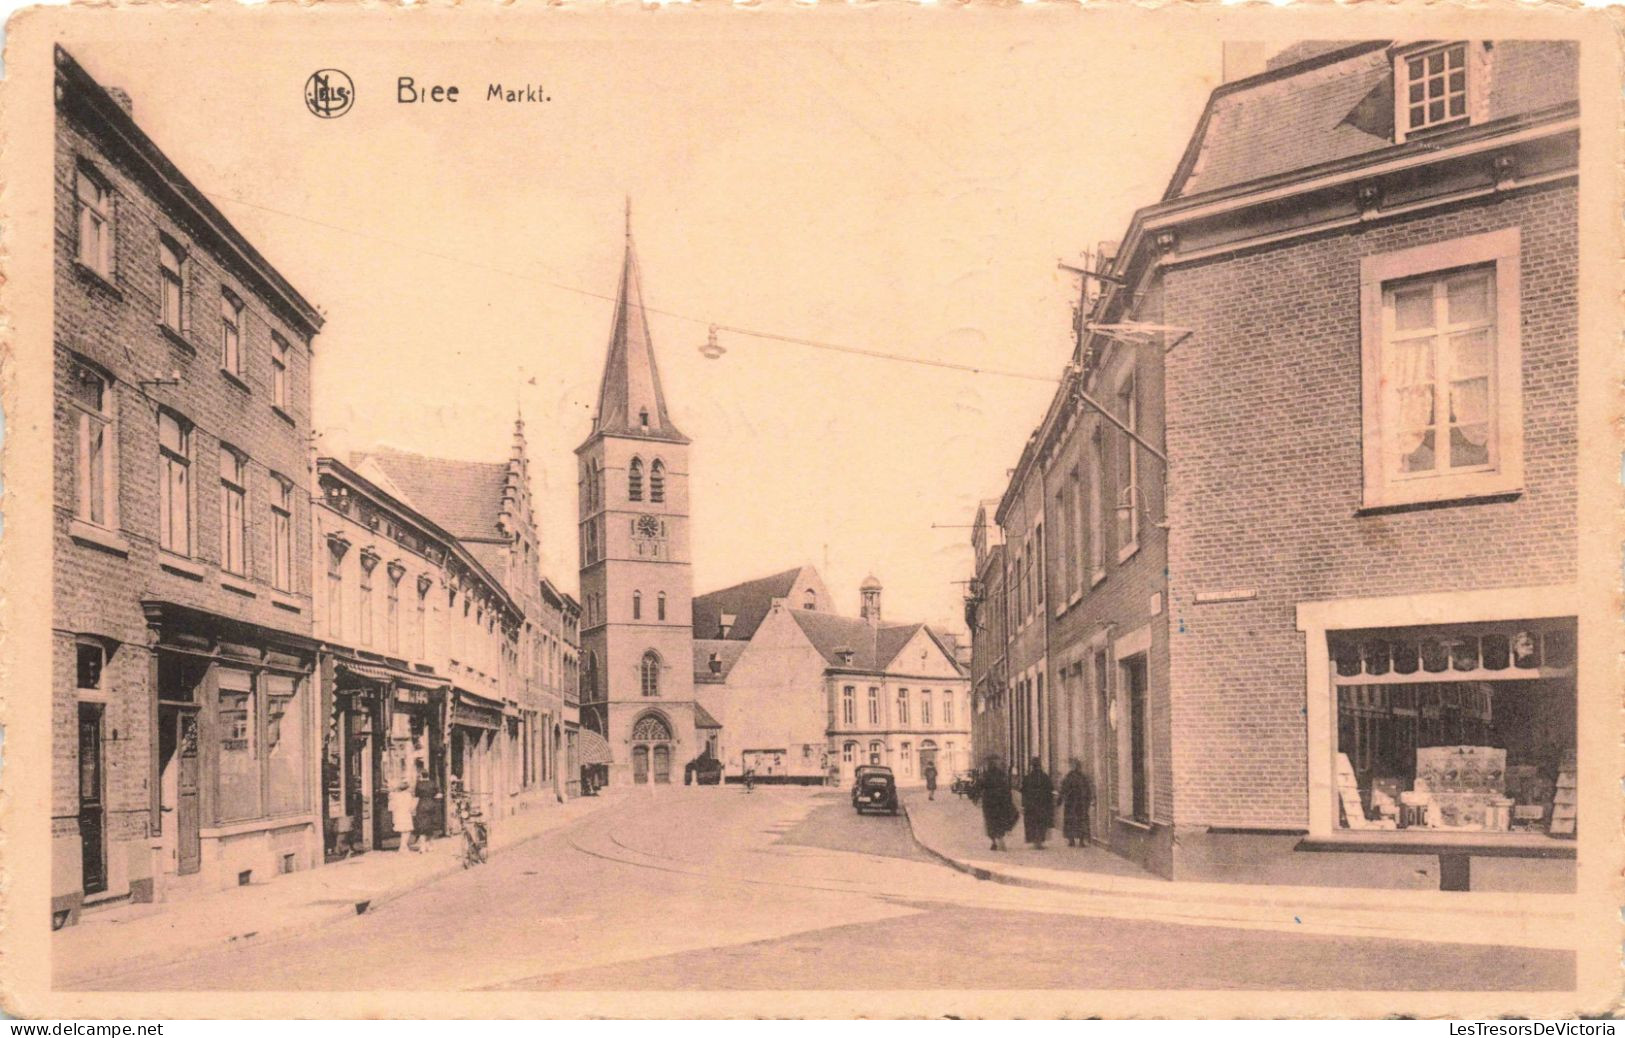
pixel 950 829
pixel 127 937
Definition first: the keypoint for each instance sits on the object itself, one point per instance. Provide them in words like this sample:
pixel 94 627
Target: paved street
pixel 714 888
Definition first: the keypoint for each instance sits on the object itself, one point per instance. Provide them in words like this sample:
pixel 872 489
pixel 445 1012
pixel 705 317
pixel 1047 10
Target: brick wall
pixel 113 324
pixel 1264 430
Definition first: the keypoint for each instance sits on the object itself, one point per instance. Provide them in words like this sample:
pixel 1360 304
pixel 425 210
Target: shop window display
pixel 1469 728
pixel 239 765
pixel 285 743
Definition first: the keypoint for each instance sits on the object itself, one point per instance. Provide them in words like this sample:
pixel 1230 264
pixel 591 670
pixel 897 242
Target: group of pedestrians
pixel 1038 802
pixel 412 808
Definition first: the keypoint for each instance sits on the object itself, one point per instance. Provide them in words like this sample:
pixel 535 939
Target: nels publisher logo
pixel 329 93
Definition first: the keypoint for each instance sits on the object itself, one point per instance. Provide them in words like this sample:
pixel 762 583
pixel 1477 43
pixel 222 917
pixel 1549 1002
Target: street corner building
pixel 805 695
pixel 183 692
pixel 1290 562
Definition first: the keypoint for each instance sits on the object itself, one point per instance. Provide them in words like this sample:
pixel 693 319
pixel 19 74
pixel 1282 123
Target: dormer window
pixel 1434 87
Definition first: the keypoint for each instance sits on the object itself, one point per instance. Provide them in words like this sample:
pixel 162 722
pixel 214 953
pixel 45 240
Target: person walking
pixel 930 773
pixel 998 803
pixel 425 813
pixel 1038 804
pixel 1077 795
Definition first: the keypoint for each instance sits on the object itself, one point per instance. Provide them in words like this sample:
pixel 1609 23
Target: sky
pixel 901 181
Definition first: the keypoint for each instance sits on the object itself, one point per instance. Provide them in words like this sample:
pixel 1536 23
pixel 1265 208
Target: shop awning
pixel 592 748
pixel 389 676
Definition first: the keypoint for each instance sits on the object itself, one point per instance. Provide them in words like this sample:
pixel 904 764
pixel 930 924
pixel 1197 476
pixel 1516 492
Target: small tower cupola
pixel 870 591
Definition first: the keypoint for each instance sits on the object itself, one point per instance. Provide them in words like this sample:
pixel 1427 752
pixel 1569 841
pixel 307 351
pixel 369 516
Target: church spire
pixel 630 399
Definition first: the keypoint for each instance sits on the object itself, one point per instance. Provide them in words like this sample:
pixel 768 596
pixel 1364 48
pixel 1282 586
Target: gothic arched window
pixel 634 481
pixel 637 605
pixel 650 673
pixel 660 606
pixel 811 600
pixel 651 728
pixel 657 481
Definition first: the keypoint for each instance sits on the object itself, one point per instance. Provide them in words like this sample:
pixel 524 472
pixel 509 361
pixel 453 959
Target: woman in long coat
pixel 1038 804
pixel 1076 796
pixel 426 816
pixel 998 806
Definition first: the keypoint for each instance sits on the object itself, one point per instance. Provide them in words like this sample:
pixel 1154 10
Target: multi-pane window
pixel 169 284
pixel 279 371
pixel 1439 349
pixel 848 751
pixel 95 205
pixel 285 749
pixel 91 660
pixel 97 483
pixel 237 760
pixel 874 706
pixel 174 485
pixel 1435 87
pixel 281 534
pixel 231 342
pixel 849 706
pixel 1073 533
pixel 1039 570
pixel 902 706
pixel 649 672
pixel 364 606
pixel 634 481
pixel 1128 470
pixel 335 589
pixel 233 516
pixel 948 708
pixel 657 481
pixel 392 609
pixel 925 706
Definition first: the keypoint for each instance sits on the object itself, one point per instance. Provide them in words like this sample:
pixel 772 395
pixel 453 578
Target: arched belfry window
pixel 637 605
pixel 634 480
pixel 660 606
pixel 811 600
pixel 657 481
pixel 650 673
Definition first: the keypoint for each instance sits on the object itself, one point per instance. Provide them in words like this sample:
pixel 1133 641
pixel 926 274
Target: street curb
pixel 358 907
pixel 987 875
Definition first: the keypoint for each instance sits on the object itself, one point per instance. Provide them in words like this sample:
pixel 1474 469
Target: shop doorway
pixel 92 810
pixel 178 789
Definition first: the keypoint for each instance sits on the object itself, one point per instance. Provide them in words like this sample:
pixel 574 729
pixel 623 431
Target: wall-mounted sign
pixel 1234 594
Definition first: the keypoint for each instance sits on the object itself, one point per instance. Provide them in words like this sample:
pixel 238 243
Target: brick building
pixel 183 713
pixel 1357 300
pixel 984 617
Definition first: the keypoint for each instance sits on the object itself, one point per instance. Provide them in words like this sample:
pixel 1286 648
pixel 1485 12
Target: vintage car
pixel 874 789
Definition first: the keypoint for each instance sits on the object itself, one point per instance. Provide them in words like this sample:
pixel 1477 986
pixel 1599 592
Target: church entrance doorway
pixel 651 750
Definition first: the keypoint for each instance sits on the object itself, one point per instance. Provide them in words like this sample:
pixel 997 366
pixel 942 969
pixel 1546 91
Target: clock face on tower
pixel 648 526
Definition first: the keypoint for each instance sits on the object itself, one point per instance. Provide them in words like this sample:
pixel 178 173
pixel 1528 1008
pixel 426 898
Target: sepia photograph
pixel 893 510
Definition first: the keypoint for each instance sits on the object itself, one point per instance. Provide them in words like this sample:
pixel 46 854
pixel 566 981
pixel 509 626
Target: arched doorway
pixel 928 754
pixel 651 750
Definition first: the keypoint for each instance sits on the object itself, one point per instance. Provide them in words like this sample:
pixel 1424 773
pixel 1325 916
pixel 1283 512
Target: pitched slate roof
pixel 749 602
pixel 728 653
pixel 1321 101
pixel 462 497
pixel 703 718
pixel 631 383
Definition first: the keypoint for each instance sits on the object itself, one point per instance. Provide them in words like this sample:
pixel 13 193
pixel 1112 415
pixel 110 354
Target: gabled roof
pixel 1321 101
pixel 727 653
pixel 462 497
pixel 631 384
pixel 873 647
pixel 703 718
pixel 747 602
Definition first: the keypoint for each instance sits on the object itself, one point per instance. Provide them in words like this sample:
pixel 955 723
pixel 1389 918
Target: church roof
pixel 703 718
pixel 747 602
pixel 462 497
pixel 631 385
pixel 727 652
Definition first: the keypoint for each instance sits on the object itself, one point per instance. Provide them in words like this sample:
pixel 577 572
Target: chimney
pixel 122 99
pixel 1242 58
pixel 869 592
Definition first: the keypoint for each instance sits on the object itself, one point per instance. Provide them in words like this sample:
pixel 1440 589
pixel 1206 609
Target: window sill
pixel 235 379
pixel 1134 823
pixel 236 583
pixel 1127 552
pixel 280 413
pixel 93 536
pixel 177 339
pixel 283 600
pixel 180 565
pixel 1397 507
pixel 97 278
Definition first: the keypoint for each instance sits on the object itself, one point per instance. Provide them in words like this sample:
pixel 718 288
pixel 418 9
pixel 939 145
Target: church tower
pixel 637 654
